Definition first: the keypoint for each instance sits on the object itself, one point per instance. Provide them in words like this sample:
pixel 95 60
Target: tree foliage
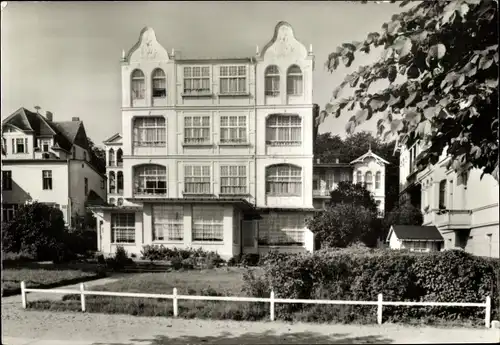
pixel 37 230
pixel 404 214
pixel 446 53
pixel 98 152
pixel 341 225
pixel 352 194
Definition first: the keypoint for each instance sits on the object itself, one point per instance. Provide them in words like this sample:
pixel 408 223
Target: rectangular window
pixel 13 146
pixel 284 180
pixel 208 223
pixel 20 145
pixel 284 130
pixel 197 129
pixel 233 179
pixel 196 80
pixel 149 131
pixel 233 79
pixel 86 186
pixel 7 180
pixel 123 228
pixel 233 129
pixel 103 184
pixel 9 212
pixel 168 223
pixel 197 179
pixel 442 194
pixel 47 179
pixel 45 145
pixel 282 229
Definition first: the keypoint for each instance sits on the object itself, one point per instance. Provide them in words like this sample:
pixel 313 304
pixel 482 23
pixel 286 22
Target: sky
pixel 65 56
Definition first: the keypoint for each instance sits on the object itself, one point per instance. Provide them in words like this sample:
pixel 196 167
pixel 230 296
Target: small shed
pixel 415 238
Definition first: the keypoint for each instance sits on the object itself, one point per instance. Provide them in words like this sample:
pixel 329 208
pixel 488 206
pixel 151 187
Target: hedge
pixel 449 276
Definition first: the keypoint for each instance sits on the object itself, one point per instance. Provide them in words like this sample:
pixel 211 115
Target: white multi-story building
pixel 50 162
pixel 463 206
pixel 213 153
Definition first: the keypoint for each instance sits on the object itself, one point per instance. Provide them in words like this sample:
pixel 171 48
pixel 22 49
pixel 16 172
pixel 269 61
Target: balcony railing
pixel 452 218
pixel 321 192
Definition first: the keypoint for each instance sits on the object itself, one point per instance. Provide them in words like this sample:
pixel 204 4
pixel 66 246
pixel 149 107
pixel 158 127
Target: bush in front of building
pixel 199 258
pixel 37 231
pixel 450 276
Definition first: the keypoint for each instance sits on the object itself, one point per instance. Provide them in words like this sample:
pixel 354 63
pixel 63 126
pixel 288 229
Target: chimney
pixel 75 119
pixel 49 116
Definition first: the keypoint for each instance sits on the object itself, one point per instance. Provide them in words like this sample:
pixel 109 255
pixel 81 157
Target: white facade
pixel 49 164
pixel 462 205
pixel 208 145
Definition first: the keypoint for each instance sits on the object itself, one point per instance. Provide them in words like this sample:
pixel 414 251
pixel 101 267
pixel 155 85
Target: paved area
pixel 23 327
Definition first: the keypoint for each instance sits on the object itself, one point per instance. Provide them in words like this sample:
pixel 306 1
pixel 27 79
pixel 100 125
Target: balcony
pixel 321 192
pixel 452 219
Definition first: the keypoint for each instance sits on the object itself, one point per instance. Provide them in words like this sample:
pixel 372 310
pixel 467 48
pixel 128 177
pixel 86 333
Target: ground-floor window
pixel 168 223
pixel 123 228
pixel 8 212
pixel 208 223
pixel 417 246
pixel 282 229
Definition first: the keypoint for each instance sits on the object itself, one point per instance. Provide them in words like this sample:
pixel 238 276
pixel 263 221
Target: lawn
pixel 48 277
pixel 213 282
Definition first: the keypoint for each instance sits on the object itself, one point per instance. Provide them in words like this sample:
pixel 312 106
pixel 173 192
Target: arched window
pixel 112 182
pixel 112 201
pixel 149 131
pixel 111 157
pixel 294 81
pixel 377 179
pixel 119 157
pixel 120 201
pixel 138 85
pixel 283 179
pixel 359 178
pixel 150 179
pixel 272 76
pixel 119 182
pixel 283 129
pixel 442 194
pixel 369 180
pixel 159 84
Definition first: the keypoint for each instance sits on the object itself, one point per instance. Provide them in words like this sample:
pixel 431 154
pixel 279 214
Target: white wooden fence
pixel 271 300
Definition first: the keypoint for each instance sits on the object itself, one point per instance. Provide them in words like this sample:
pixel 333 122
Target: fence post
pixel 174 300
pixel 487 316
pixel 82 296
pixel 23 294
pixel 271 311
pixel 379 309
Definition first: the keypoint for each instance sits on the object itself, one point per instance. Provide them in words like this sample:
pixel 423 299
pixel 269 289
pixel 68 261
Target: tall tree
pixel 352 194
pixel 446 55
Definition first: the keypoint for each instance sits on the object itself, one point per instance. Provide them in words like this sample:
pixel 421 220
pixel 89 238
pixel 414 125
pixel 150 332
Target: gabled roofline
pixel 369 154
pixel 23 114
pixel 114 136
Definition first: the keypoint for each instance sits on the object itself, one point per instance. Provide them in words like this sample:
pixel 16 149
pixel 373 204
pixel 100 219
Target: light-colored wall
pixel 27 184
pixel 79 170
pixel 394 242
pixel 9 134
pixel 371 164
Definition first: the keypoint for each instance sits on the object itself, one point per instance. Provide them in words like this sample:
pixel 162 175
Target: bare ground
pixel 43 327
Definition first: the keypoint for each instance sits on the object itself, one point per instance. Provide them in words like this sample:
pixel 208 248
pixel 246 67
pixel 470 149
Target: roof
pixel 65 133
pixel 370 154
pixel 114 139
pixel 416 232
pixel 93 199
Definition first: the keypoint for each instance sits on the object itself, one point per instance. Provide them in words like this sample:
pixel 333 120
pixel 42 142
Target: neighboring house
pixel 368 169
pixel 216 153
pixel 50 162
pixel 463 206
pixel 415 238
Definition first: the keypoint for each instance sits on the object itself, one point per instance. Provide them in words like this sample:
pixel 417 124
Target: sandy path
pixel 21 327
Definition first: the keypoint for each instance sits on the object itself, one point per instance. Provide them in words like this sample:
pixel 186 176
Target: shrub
pixel 197 257
pixel 250 259
pixel 450 276
pixel 234 261
pixel 176 263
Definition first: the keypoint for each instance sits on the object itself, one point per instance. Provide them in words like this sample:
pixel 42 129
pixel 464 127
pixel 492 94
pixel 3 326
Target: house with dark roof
pixel 415 238
pixel 48 161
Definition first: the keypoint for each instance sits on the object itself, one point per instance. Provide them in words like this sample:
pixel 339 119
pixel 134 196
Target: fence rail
pixel 380 303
